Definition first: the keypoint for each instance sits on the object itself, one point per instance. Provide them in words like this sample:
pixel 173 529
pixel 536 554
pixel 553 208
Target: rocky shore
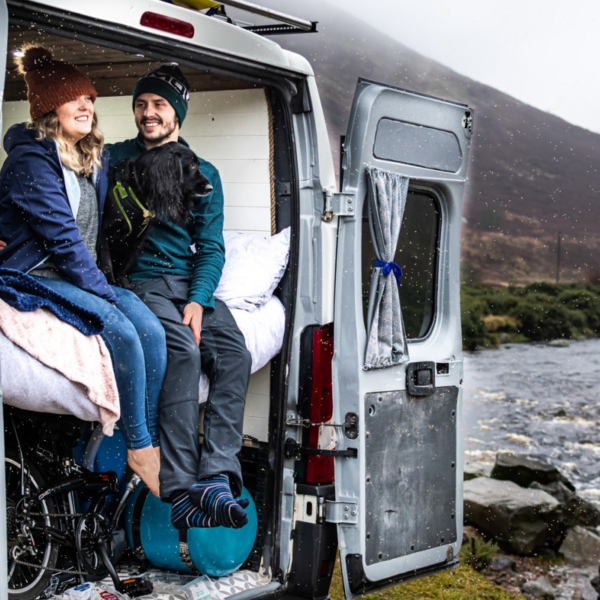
pixel 548 536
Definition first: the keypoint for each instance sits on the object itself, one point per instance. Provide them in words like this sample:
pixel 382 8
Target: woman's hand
pixel 2 245
pixel 192 316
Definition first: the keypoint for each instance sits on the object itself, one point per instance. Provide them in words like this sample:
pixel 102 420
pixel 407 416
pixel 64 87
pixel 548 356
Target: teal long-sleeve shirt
pixel 168 248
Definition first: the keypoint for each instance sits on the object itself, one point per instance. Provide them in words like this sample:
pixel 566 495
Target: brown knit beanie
pixel 50 83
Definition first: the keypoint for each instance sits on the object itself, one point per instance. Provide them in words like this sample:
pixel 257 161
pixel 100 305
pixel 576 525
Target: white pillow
pixel 254 265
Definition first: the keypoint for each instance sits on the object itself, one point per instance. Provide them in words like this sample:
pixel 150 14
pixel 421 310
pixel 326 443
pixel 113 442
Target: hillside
pixel 531 173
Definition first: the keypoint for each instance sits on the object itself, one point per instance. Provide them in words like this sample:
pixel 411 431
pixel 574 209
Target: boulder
pixel 524 469
pixel 581 546
pixel 558 344
pixel 576 510
pixel 477 469
pixel 540 588
pixel 557 489
pixel 503 563
pixel 516 517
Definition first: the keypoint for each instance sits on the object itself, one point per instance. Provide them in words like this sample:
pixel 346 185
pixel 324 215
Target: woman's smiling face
pixel 75 118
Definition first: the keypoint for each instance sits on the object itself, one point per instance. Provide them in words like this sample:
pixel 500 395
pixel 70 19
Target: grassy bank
pixel 540 311
pixel 462 584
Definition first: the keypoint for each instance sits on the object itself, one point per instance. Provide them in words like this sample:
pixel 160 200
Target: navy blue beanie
pixel 169 83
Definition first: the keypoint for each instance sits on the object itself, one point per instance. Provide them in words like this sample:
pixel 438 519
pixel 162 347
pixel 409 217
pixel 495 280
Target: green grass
pixel 462 584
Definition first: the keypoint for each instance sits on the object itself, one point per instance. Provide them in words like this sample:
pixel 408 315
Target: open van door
pixel 398 503
pixel 3 540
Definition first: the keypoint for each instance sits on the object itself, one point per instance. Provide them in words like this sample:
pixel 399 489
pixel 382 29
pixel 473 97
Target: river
pixel 540 400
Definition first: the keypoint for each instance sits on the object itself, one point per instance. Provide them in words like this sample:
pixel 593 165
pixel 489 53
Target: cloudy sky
pixel 546 53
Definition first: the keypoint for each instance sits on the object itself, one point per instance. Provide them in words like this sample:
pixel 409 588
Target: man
pixel 177 284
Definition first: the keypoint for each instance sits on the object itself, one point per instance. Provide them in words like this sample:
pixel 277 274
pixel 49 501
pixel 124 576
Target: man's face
pixel 156 120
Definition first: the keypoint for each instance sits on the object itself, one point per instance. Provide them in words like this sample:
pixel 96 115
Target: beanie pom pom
pixel 33 59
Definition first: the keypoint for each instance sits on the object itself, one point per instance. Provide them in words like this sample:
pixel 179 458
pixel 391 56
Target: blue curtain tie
pixel 389 267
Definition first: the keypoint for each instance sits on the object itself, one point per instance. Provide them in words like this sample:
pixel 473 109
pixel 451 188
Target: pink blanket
pixel 80 358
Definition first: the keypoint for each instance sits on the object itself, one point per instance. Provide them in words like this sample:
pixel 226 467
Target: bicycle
pixel 51 544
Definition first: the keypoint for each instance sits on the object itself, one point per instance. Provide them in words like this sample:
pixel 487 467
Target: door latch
pixel 292 449
pixel 338 203
pixel 420 378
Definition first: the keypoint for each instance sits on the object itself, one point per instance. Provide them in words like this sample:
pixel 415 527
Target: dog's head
pixel 170 181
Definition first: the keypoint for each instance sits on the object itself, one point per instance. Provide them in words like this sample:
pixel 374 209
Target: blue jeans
pixel 136 342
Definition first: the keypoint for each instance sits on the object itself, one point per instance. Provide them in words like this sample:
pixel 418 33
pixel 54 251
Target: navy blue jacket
pixel 36 212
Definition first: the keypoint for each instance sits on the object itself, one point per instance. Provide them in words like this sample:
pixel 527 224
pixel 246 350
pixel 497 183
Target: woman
pixel 52 190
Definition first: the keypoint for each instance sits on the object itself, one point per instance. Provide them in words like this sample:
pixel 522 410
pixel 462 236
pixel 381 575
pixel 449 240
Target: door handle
pixel 420 378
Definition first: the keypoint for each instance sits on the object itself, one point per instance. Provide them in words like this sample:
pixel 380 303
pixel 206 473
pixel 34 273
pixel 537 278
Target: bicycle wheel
pixel 26 582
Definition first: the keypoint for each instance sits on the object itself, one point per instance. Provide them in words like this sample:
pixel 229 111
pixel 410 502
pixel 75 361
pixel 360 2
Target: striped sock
pixel 184 515
pixel 213 495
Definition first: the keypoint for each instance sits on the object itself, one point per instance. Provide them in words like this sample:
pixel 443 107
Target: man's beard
pixel 157 140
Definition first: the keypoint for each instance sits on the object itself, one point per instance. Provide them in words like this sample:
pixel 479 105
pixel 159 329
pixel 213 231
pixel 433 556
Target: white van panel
pixel 231 130
pixel 209 33
pixel 328 182
pixel 256 415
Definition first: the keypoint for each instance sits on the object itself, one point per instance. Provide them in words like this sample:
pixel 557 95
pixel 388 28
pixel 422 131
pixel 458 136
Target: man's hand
pixel 192 316
pixel 2 245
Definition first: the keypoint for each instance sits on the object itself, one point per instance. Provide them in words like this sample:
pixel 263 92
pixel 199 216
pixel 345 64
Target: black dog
pixel 162 184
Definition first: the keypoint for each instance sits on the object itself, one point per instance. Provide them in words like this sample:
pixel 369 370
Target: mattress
pixel 28 384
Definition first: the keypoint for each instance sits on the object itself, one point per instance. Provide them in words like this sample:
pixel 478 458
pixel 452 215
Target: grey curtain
pixel 386 337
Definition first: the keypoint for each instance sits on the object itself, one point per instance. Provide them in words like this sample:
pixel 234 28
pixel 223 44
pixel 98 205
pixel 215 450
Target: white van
pixel 386 489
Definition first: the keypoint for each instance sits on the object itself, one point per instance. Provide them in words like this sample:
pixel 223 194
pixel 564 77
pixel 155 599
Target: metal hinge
pixel 341 512
pixel 292 449
pixel 338 203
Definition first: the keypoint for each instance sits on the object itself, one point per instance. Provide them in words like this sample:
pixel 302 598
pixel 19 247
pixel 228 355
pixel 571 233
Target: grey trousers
pixel 223 356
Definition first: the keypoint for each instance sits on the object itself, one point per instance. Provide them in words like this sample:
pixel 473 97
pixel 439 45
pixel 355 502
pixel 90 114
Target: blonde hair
pixel 81 157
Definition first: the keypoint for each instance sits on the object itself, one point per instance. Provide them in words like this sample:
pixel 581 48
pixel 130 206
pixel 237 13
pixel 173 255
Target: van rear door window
pixel 417 256
pixel 417 145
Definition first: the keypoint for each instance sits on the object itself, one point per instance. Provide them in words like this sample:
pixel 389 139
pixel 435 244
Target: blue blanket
pixel 26 294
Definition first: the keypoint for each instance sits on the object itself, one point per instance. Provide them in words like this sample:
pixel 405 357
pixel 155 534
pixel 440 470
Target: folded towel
pixel 81 359
pixel 27 294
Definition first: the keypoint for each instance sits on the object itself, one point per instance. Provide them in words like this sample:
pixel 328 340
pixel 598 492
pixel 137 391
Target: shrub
pixel 585 301
pixel 501 324
pixel 478 553
pixel 540 311
pixel 542 319
pixel 544 287
pixel 473 329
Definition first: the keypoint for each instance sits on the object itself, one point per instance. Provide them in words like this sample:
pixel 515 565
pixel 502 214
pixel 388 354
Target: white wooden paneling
pixel 244 147
pixel 228 101
pixel 242 171
pixel 230 130
pixel 236 124
pixel 12 112
pixel 242 217
pixel 247 194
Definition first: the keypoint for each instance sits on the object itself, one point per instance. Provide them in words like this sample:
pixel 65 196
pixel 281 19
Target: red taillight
pixel 320 468
pixel 168 24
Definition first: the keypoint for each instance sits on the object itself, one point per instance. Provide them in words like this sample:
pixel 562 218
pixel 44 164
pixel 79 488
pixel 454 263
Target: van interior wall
pixel 228 127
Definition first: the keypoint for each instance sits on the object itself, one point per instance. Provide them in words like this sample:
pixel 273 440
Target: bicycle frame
pixel 89 534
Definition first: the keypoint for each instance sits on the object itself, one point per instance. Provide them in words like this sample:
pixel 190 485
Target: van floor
pixel 169 585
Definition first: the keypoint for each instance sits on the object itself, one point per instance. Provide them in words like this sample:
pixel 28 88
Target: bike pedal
pixel 136 587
